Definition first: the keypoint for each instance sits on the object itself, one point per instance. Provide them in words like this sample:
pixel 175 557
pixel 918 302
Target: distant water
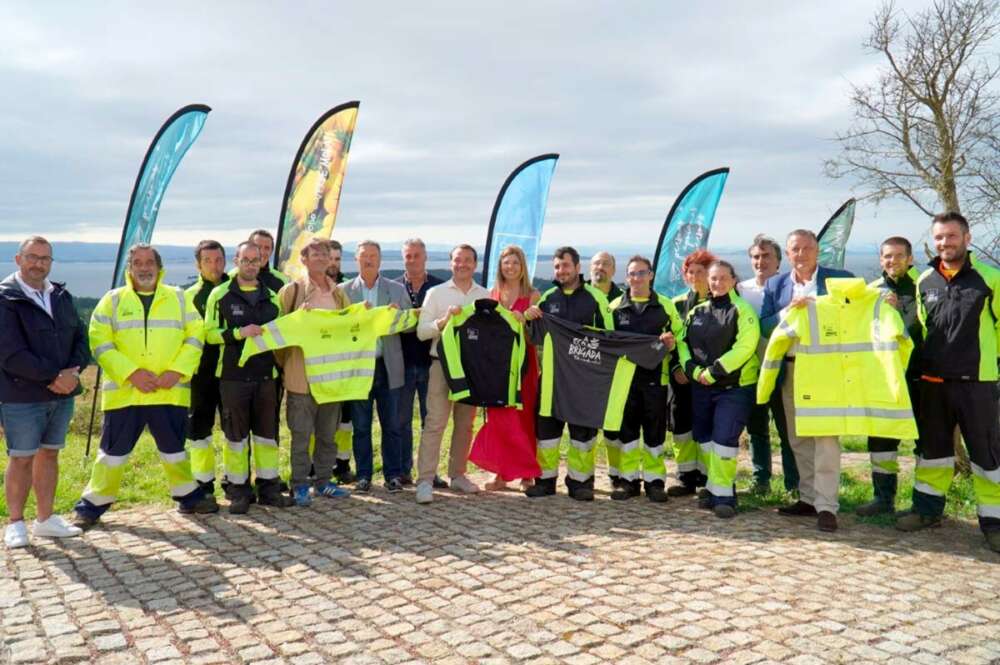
pixel 93 279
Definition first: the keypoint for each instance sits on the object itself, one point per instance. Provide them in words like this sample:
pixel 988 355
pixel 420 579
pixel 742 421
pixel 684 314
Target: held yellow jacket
pixel 338 346
pixel 851 350
pixel 123 339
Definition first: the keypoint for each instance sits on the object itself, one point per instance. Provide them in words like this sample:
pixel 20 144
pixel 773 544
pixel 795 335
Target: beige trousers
pixel 439 409
pixel 818 457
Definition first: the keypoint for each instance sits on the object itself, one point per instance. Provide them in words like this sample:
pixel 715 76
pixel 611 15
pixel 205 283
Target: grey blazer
pixel 389 292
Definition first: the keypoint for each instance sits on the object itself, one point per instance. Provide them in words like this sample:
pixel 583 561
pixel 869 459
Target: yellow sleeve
pixel 784 335
pixel 744 346
pixel 188 356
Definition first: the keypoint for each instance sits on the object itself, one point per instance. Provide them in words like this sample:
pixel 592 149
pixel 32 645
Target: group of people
pixel 822 353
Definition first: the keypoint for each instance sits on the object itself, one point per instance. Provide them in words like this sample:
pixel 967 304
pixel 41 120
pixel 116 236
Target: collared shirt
pixel 753 293
pixel 42 298
pixel 804 289
pixel 416 352
pixel 436 305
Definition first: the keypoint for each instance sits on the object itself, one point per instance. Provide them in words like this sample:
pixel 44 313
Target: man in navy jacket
pixel 817 458
pixel 44 348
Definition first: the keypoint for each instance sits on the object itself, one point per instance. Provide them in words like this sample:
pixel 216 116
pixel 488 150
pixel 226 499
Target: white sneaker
pixel 425 492
pixel 464 485
pixel 55 527
pixel 16 535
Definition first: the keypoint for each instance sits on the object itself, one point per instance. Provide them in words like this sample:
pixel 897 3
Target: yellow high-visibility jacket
pixel 851 350
pixel 338 346
pixel 123 340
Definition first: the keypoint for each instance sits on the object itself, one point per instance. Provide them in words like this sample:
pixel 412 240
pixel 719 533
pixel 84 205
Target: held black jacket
pixel 35 347
pixel 653 317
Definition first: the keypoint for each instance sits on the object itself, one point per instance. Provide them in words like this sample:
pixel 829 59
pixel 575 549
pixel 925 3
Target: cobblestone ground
pixel 498 578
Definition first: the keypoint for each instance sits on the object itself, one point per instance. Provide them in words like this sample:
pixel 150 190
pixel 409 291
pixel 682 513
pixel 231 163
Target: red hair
pixel 702 257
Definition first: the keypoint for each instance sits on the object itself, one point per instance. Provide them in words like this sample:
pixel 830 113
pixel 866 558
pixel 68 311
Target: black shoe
pixel 406 479
pixel 798 509
pixel 439 483
pixel 207 488
pixel 203 506
pixel 394 485
pixel 542 487
pixel 705 501
pixel 85 522
pixel 363 485
pixel 342 472
pixel 582 493
pixel 680 490
pixel 626 490
pixel 826 521
pixel 240 504
pixel 271 494
pixel 655 492
pixel 724 511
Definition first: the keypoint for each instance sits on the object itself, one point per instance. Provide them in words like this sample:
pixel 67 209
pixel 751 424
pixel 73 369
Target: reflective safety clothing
pixel 338 346
pixel 270 277
pixel 630 457
pixel 123 339
pixel 851 351
pixel 204 393
pixel 721 336
pixel 691 470
pixel 482 352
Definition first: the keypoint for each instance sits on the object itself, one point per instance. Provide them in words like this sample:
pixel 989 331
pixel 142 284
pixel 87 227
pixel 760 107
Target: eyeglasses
pixel 249 262
pixel 35 258
pixel 638 274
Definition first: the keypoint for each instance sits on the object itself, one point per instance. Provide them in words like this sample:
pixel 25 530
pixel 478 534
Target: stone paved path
pixel 497 579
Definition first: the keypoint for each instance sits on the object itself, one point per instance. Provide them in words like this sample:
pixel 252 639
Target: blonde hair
pixel 524 282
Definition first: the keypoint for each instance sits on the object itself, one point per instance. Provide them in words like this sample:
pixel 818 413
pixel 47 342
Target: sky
pixel 637 97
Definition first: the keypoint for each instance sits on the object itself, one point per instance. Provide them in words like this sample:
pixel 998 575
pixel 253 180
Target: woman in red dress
pixel 505 445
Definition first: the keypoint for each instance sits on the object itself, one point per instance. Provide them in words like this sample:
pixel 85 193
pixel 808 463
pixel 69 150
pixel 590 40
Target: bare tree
pixel 926 131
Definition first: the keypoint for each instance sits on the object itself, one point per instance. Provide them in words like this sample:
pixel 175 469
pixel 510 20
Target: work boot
pixel 626 490
pixel 724 511
pixel 269 494
pixel 993 540
pixel 655 491
pixel 580 490
pixel 616 481
pixel 85 522
pixel 342 472
pixel 681 490
pixel 705 500
pixel 885 496
pixel 203 506
pixel 542 487
pixel 914 521
pixel 240 498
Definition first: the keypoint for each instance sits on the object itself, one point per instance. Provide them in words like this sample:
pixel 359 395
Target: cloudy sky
pixel 638 97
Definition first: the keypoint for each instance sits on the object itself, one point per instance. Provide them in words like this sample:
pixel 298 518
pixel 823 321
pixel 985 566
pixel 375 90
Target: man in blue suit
pixel 817 458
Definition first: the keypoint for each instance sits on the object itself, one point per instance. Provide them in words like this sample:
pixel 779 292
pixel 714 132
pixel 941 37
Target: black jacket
pixel 36 347
pixel 905 289
pixel 587 305
pixel 199 292
pixel 229 309
pixel 648 318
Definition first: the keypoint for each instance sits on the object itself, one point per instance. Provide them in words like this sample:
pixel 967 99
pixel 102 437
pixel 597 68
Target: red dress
pixel 505 445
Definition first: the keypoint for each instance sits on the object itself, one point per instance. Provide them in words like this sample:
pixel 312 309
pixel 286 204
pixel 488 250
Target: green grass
pixel 144 482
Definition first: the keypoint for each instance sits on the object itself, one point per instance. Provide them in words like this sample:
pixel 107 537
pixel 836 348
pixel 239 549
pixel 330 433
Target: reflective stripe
pixel 655 451
pixel 631 475
pixel 237 446
pixel 719 490
pixel 614 471
pixel 946 462
pixel 848 347
pixel 103 348
pixel 346 374
pixel 98 499
pixel 613 444
pixel 687 466
pixel 858 411
pixel 926 489
pixel 683 437
pixel 989 511
pixel 100 318
pixel 771 364
pixel 264 441
pixel 259 342
pixel 725 452
pixel 876 324
pixel 183 490
pixel 992 476
pixel 583 446
pixel 194 342
pixel 165 323
pixel 200 443
pixel 105 459
pixel 204 476
pixel 548 443
pixel 630 446
pixel 813 317
pixel 396 321
pixel 275 333
pixel 267 474
pixel 579 475
pixel 549 473
pixel 335 357
pixel 649 476
pixel 109 385
pixel 116 298
pixel 237 478
pixel 787 329
pixel 345 427
pixel 174 458
pixel 889 456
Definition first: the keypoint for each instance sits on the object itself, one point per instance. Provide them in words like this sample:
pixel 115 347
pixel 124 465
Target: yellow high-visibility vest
pixel 123 339
pixel 851 350
pixel 338 346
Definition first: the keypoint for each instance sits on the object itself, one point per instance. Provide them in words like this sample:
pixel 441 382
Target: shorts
pixel 29 426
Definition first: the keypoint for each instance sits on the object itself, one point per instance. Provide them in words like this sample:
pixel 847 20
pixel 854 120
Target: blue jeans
pixel 29 426
pixel 386 401
pixel 719 416
pixel 415 386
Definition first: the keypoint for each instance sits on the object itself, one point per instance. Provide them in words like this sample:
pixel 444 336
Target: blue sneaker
pixel 302 497
pixel 332 491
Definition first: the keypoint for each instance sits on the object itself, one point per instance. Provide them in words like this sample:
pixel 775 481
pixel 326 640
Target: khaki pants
pixel 439 409
pixel 817 457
